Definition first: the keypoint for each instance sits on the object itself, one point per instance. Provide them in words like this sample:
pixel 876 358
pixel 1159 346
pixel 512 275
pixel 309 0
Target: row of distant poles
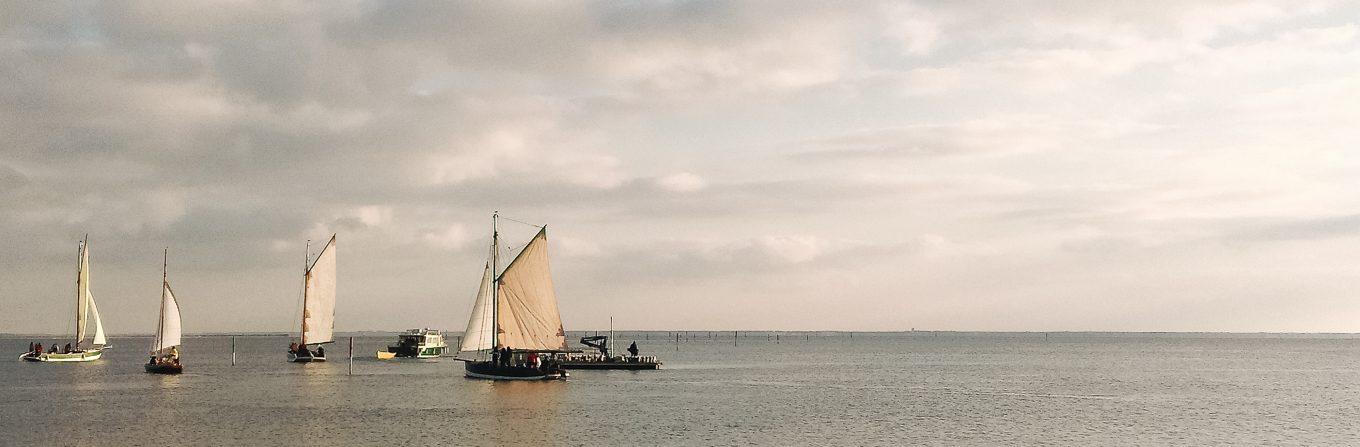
pixel 737 336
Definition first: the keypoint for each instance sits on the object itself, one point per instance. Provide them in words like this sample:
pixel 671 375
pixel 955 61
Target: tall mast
pixel 80 266
pixel 306 274
pixel 495 280
pixel 160 324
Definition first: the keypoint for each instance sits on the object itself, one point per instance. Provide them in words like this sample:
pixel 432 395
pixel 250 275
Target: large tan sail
pixel 526 313
pixel 318 314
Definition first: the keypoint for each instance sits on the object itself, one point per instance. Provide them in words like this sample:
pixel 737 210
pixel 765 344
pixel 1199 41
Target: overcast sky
pixel 758 165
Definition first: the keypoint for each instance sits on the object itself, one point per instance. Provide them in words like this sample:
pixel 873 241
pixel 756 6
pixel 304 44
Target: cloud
pixel 938 158
pixel 681 182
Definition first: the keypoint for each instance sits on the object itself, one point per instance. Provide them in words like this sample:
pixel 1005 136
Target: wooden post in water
pixel 351 356
pixel 677 342
pixel 233 351
pixel 734 338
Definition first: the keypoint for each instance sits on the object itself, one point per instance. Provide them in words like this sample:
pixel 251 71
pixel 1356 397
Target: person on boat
pixel 52 349
pixel 632 349
pixel 320 351
pixel 152 361
pixel 506 357
pixel 37 349
pixel 67 349
pixel 535 360
pixel 174 352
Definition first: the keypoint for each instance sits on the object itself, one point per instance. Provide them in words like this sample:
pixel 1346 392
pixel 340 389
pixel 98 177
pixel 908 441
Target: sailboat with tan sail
pixel 318 307
pixel 78 350
pixel 515 330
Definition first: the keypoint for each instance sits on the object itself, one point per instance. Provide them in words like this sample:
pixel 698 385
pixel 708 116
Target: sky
pixel 783 165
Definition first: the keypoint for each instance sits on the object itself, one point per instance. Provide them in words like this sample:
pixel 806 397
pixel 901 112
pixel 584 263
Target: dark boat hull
pixel 490 371
pixel 164 368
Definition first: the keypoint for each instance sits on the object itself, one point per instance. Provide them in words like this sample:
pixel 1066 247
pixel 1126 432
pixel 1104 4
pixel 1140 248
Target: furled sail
pixel 99 339
pixel 170 329
pixel 526 314
pixel 83 297
pixel 318 313
pixel 477 337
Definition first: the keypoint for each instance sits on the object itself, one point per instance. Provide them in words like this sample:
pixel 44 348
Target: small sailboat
pixel 85 308
pixel 165 347
pixel 515 330
pixel 318 308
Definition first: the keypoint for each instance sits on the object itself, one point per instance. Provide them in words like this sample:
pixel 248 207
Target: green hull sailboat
pixel 81 351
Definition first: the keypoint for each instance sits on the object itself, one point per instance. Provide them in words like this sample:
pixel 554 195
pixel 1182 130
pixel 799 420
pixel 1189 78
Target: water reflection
pixel 534 407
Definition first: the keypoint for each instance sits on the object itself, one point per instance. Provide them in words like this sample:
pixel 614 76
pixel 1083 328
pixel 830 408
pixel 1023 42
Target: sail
pixel 99 339
pixel 526 312
pixel 477 337
pixel 82 291
pixel 170 330
pixel 318 314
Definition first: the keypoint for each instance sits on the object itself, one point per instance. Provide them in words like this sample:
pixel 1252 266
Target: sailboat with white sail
pixel 78 350
pixel 318 308
pixel 165 346
pixel 515 330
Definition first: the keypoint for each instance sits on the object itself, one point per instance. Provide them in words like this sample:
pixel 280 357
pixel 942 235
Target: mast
pixel 495 280
pixel 80 253
pixel 306 274
pixel 160 323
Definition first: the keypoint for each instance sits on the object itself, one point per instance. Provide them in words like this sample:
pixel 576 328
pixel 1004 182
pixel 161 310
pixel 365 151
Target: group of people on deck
pixel 300 350
pixel 168 358
pixel 505 357
pixel 37 349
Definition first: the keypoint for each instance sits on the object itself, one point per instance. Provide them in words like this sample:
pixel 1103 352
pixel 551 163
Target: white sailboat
pixel 318 308
pixel 514 319
pixel 85 308
pixel 165 346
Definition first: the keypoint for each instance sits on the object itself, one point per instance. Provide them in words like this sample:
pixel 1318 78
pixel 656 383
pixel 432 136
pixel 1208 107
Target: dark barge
pixel 605 361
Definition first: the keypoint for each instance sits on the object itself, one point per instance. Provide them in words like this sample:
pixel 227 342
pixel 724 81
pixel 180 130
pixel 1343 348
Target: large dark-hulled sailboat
pixel 515 330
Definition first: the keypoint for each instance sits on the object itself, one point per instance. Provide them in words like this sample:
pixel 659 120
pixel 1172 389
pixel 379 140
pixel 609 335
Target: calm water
pixel 952 389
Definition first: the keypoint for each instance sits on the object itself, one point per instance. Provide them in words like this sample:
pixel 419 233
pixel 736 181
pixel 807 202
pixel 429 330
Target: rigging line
pixel 521 222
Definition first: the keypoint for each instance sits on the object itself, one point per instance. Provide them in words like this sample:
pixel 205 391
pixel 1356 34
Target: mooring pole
pixel 351 356
pixel 233 351
pixel 677 342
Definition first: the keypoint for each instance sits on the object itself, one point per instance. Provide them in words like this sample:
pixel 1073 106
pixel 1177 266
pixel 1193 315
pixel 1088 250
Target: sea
pixel 715 388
